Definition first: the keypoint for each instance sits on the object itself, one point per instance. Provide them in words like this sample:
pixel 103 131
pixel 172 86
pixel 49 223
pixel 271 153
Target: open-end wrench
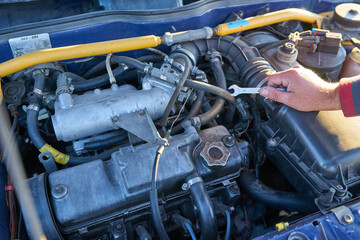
pixel 238 90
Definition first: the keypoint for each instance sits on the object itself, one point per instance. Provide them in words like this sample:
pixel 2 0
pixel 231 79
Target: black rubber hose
pixel 33 129
pixel 97 81
pixel 106 155
pixel 106 142
pixel 175 95
pixel 273 198
pixel 33 113
pixel 154 201
pixel 104 79
pixel 219 103
pixel 39 78
pixel 151 58
pixel 195 109
pixel 102 65
pixel 208 222
pixel 221 92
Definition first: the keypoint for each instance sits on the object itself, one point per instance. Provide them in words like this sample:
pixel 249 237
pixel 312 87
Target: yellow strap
pixel 58 156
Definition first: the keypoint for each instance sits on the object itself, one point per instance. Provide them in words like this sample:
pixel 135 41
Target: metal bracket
pixel 343 214
pixel 141 125
pixel 47 160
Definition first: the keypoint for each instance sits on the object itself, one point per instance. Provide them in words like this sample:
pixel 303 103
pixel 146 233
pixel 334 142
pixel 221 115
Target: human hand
pixel 305 90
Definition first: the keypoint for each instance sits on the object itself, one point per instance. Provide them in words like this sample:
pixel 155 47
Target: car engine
pixel 149 143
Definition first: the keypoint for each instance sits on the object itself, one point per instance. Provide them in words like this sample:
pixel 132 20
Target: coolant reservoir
pixel 351 66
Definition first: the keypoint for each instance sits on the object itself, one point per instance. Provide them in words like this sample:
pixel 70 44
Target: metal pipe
pixel 268 19
pixel 77 51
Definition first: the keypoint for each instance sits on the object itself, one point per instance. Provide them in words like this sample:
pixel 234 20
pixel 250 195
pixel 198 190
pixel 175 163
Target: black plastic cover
pixel 318 152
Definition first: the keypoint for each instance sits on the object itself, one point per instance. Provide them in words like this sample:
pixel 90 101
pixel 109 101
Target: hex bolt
pixel 234 189
pixel 59 191
pixel 348 218
pixel 118 227
pixel 228 141
pixel 115 119
pixel 272 142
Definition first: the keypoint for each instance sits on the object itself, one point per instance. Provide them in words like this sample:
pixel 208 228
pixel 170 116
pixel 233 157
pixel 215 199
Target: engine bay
pixel 136 136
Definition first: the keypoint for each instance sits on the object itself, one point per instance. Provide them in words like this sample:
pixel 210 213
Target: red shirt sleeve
pixel 349 93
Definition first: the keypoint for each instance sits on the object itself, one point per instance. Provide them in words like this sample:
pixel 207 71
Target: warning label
pixel 27 44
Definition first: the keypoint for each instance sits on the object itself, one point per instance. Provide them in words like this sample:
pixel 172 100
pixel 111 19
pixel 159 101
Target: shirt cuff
pixel 349 93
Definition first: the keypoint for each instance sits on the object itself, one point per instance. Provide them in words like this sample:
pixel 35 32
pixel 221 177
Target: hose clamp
pixel 191 182
pixel 33 107
pixel 186 52
pixel 38 92
pixel 147 68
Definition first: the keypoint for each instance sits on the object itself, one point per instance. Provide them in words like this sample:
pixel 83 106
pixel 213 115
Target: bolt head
pixel 118 226
pixel 59 191
pixel 185 186
pixel 115 119
pixel 348 218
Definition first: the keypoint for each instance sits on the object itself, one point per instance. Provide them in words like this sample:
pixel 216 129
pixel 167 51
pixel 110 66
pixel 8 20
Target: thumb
pixel 275 94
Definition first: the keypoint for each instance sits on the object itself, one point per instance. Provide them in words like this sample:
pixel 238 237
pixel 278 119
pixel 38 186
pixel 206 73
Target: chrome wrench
pixel 239 90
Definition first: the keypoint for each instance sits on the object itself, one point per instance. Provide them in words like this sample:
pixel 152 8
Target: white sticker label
pixel 27 44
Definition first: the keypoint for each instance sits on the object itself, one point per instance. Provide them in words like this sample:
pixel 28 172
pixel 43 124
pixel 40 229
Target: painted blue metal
pixel 320 226
pixel 116 29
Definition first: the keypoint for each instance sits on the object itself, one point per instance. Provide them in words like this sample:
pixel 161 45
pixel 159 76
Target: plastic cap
pixel 355 55
pixel 348 14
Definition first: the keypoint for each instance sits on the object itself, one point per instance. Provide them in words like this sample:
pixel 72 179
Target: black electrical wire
pixel 154 202
pixel 195 109
pixel 175 95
